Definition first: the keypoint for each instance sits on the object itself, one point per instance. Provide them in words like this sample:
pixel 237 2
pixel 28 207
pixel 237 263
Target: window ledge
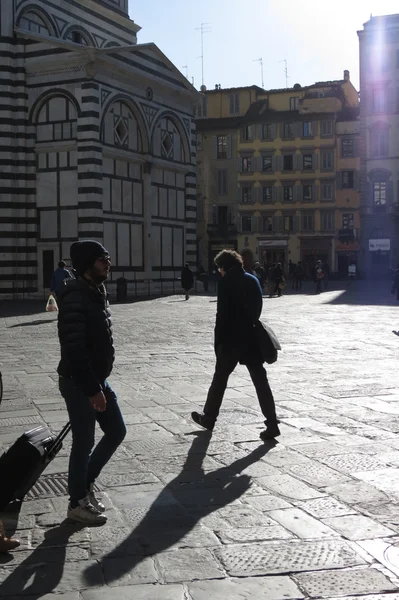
pixel 308 137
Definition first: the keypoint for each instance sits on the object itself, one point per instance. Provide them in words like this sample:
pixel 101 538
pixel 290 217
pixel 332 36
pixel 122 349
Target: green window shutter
pixel 280 224
pixel 356 146
pixel 280 193
pixel 239 224
pixel 229 141
pixel 315 192
pixel 254 224
pixel 275 223
pixel 315 128
pixel 242 134
pixel 274 130
pixel 338 179
pixel 315 161
pixel 298 195
pixel 260 132
pixel 356 180
pixel 281 130
pixel 252 132
pixel 274 162
pixel 298 129
pixel 239 195
pixel 214 147
pixel 389 192
pixel 274 193
pixel 297 223
pixel 332 159
pixel 239 165
pixel 299 162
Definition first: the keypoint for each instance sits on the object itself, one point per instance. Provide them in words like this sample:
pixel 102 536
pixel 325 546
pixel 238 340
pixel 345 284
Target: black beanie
pixel 85 253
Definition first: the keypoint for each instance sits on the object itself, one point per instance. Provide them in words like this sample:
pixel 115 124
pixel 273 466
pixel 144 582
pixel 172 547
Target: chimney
pixel 346 75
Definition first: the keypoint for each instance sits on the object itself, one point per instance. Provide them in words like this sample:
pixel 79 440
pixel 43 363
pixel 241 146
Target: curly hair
pixel 227 259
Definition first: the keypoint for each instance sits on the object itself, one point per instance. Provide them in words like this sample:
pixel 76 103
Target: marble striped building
pixel 97 140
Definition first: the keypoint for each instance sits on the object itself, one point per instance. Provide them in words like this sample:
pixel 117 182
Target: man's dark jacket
pixel 187 278
pixel 85 333
pixel 238 309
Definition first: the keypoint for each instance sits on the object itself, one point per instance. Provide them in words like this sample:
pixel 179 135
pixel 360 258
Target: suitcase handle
pixel 60 438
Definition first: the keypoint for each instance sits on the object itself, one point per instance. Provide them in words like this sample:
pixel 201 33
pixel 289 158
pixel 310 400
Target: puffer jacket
pixel 85 334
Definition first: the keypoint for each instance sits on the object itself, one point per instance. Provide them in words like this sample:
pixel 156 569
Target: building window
pixel 288 130
pixel 379 100
pixel 379 142
pixel 347 221
pixel 267 163
pixel 289 223
pixel 288 193
pixel 246 195
pixel 33 22
pixel 307 129
pixel 307 223
pixel 267 131
pixel 199 142
pixel 327 221
pixel 288 162
pixel 307 193
pixel 294 103
pixel 347 147
pixel 222 146
pixel 379 195
pixel 247 133
pixel 222 182
pixel 234 102
pixel 308 162
pixel 246 164
pixel 167 140
pixel 326 127
pixel 246 224
pixel 201 110
pixel 326 191
pixel 267 224
pixel 327 160
pixel 347 180
pixel 267 193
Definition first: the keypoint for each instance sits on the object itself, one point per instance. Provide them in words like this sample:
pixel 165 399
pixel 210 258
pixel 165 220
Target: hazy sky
pixel 318 38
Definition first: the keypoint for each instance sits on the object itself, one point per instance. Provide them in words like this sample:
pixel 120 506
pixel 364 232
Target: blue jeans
pixel 85 464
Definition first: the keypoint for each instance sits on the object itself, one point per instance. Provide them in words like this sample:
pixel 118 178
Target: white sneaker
pixel 95 501
pixel 85 512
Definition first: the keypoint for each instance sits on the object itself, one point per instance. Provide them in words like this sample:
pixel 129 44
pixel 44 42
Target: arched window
pixel 78 37
pixel 167 141
pixel 56 120
pixel 32 21
pixel 121 129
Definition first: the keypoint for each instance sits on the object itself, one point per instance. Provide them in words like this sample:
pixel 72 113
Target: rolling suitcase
pixel 23 463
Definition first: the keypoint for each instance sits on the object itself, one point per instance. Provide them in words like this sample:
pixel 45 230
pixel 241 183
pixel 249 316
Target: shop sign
pixel 383 245
pixel 273 243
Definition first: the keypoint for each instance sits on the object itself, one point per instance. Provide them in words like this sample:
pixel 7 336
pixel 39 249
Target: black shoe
pixel 271 432
pixel 202 421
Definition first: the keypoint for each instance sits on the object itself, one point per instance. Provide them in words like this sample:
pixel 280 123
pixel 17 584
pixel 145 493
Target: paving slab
pixel 224 515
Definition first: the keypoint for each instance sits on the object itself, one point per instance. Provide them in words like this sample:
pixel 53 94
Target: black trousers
pixel 226 362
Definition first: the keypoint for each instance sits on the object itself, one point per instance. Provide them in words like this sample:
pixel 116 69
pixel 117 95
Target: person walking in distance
pixel 58 278
pixel 259 272
pixel 319 274
pixel 298 276
pixel 187 280
pixel 278 278
pixel 87 356
pixel 239 306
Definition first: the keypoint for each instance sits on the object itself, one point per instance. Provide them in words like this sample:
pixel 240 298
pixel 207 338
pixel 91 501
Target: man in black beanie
pixel 87 356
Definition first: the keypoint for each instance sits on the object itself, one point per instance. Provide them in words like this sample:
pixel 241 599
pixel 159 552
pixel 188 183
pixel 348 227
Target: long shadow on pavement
pixel 165 524
pixel 42 569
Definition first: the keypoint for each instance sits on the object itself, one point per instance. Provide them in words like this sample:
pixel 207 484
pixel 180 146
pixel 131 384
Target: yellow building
pixel 278 150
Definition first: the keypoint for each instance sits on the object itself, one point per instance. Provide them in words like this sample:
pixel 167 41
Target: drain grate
pixel 8 422
pixel 51 485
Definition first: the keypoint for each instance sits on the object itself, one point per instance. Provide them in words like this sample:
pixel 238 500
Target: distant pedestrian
pixel 395 283
pixel 187 280
pixel 291 269
pixel 319 276
pixel 238 310
pixel 278 279
pixel 58 278
pixel 270 279
pixel 298 276
pixel 87 357
pixel 259 272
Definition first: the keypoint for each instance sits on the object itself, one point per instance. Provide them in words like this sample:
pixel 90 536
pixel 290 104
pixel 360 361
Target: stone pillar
pixel 90 164
pixel 147 222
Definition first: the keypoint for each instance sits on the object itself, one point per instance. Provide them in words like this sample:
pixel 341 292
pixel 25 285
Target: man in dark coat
pixel 87 356
pixel 187 280
pixel 238 309
pixel 278 278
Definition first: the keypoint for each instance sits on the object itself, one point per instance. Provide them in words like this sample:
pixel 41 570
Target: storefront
pixel 272 252
pixel 380 253
pixel 314 249
pixel 346 254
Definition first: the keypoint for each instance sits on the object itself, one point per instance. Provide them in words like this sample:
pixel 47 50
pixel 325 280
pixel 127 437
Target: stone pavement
pixel 199 517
